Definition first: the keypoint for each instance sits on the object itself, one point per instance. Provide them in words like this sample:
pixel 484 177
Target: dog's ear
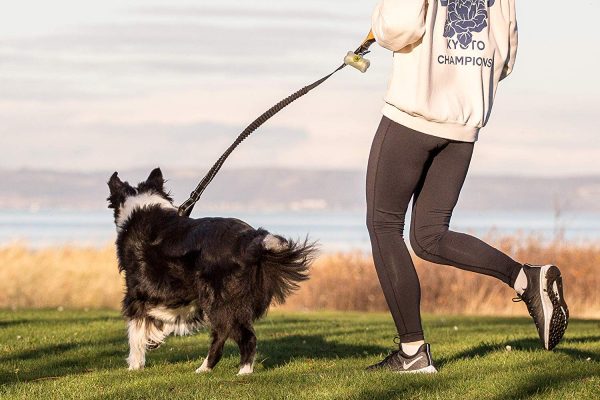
pixel 115 184
pixel 155 180
pixel 118 191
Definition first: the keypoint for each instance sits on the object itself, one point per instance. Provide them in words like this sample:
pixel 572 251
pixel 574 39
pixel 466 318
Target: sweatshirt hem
pixel 445 130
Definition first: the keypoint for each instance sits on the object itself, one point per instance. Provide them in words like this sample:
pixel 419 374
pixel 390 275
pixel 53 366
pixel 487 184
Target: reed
pixel 78 278
pixel 69 277
pixel 348 281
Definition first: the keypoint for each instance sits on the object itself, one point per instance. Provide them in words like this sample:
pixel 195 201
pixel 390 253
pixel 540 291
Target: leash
pixel 355 59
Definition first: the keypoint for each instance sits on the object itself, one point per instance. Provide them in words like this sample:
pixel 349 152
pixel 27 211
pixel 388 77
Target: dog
pixel 182 274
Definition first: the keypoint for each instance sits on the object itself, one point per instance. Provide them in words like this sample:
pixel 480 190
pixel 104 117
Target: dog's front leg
pixel 215 352
pixel 246 340
pixel 137 334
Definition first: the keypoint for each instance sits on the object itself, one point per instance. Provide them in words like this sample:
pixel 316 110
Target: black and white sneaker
pixel 398 361
pixel 546 303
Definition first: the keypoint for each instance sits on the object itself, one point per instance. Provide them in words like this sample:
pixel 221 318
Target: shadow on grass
pixel 545 382
pixel 62 359
pixel 276 352
pixel 280 351
pixel 484 349
pixel 57 321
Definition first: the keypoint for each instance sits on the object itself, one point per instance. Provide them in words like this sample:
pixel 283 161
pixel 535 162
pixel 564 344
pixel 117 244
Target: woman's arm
pixel 513 44
pixel 399 23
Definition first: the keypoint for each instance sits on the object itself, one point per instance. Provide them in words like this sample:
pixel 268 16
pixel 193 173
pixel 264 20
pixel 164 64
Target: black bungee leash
pixel 355 59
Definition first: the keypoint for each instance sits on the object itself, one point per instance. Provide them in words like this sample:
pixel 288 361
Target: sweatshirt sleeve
pixel 513 43
pixel 399 23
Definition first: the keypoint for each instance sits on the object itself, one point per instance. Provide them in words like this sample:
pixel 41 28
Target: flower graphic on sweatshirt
pixel 465 17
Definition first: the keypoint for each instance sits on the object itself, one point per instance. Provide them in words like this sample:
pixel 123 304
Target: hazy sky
pixel 116 84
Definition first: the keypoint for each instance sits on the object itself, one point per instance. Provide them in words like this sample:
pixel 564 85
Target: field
pixel 76 354
pixel 74 345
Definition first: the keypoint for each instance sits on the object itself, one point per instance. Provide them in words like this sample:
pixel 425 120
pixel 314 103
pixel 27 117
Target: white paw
pixel 136 367
pixel 136 362
pixel 246 369
pixel 204 367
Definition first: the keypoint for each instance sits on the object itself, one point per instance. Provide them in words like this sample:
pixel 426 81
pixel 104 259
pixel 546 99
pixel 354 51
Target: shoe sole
pixel 557 307
pixel 427 370
pixel 430 369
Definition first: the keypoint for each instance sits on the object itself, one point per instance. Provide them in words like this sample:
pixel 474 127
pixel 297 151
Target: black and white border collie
pixel 183 273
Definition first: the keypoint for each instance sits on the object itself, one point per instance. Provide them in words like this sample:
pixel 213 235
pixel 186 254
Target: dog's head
pixel 124 199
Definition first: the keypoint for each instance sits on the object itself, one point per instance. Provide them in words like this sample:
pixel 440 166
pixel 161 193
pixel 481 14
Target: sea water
pixel 335 230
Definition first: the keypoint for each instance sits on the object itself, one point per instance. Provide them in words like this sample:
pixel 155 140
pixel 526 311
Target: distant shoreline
pixel 285 189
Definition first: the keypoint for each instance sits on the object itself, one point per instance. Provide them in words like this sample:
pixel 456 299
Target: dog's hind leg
pixel 246 340
pixel 215 352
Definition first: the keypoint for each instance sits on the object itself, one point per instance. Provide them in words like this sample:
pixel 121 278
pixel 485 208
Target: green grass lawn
pixel 77 354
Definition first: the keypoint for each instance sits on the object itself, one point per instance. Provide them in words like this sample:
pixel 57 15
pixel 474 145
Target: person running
pixel 448 57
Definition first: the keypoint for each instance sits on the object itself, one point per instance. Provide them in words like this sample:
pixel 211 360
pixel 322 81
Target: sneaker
pixel 398 361
pixel 545 303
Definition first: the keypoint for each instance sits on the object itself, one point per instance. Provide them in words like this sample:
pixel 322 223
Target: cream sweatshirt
pixel 449 56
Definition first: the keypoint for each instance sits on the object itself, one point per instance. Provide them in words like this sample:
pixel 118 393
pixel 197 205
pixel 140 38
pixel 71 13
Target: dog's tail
pixel 285 263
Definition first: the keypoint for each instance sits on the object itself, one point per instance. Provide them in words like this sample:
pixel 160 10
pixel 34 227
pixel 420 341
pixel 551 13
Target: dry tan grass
pixel 73 277
pixel 348 282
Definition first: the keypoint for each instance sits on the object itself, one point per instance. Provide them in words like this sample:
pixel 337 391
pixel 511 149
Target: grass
pixel 76 354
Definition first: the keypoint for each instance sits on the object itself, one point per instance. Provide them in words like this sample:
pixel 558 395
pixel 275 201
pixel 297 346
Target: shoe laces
pixel 393 352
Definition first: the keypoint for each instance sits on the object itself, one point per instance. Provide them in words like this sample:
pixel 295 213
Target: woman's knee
pixel 425 240
pixel 386 222
pixel 418 244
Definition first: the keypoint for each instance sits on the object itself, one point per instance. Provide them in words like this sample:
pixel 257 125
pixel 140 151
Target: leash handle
pixel 356 58
pixel 369 40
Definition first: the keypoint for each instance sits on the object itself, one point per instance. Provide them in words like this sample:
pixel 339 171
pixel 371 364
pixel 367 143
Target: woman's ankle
pixel 411 348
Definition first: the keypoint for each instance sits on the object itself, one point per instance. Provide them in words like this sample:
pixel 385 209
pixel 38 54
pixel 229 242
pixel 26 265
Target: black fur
pixel 218 265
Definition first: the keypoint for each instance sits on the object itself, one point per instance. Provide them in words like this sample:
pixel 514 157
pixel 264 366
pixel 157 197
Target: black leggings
pixel 404 163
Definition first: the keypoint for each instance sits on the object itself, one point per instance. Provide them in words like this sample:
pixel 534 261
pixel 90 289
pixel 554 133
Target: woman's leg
pixel 396 163
pixel 540 287
pixel 434 201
